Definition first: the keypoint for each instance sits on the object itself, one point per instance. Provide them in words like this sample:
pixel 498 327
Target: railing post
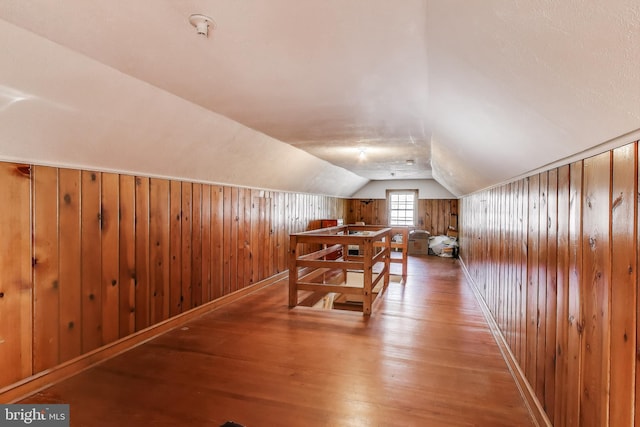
pixel 367 273
pixel 387 258
pixel 293 271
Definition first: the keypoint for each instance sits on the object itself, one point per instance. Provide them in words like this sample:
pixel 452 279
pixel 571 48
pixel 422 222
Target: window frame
pixel 390 194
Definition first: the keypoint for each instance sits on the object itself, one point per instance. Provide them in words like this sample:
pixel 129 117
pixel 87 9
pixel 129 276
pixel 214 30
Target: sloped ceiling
pixel 285 94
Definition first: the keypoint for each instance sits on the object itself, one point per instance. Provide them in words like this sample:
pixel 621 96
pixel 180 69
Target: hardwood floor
pixel 425 357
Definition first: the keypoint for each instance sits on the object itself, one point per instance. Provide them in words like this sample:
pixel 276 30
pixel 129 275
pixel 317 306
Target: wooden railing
pixel 403 246
pixel 374 243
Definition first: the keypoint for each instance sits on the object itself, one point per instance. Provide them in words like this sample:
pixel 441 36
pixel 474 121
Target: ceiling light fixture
pixel 202 23
pixel 363 153
pixel 410 162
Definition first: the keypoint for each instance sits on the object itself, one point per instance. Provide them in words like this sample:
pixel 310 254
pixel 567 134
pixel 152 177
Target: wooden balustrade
pixel 308 272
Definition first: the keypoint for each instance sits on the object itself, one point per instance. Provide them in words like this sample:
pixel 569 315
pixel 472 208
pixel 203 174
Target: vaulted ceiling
pixel 285 94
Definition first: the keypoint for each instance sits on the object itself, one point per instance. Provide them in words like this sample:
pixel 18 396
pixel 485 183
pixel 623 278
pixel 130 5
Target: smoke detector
pixel 201 23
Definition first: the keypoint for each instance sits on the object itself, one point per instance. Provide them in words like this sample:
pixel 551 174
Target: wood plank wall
pixel 90 257
pixel 555 257
pixel 433 214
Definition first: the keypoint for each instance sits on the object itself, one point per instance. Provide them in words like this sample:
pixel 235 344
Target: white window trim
pixel 415 205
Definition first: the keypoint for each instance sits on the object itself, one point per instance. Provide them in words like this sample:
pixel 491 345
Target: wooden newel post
pixel 387 258
pixel 367 276
pixel 293 272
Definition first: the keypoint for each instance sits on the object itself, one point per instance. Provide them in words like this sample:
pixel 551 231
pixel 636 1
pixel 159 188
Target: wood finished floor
pixel 426 357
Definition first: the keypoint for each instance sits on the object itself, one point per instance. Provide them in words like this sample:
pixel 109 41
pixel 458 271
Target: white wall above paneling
pixel 427 189
pixel 61 108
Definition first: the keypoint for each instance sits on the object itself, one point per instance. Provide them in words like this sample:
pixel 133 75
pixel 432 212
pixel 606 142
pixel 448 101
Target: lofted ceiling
pixel 285 94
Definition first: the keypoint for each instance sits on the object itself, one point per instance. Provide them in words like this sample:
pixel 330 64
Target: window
pixel 402 206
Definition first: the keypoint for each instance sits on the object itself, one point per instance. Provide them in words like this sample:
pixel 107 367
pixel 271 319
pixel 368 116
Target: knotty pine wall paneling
pixel 555 257
pixel 532 281
pixel 623 280
pixel 159 248
pixel 217 242
pixel 69 265
pixel 541 307
pixel 46 290
pixel 110 256
pixel 205 226
pixel 127 256
pixel 255 235
pixel 227 255
pixel 186 248
pixel 575 319
pixel 196 246
pixel 233 241
pixel 16 291
pixel 240 272
pixel 596 282
pixel 91 257
pixel 175 247
pixel 551 293
pixel 562 295
pixel 91 254
pixel 142 254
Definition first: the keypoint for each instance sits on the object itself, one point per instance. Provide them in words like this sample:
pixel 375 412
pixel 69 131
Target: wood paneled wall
pixel 434 215
pixel 90 257
pixel 555 257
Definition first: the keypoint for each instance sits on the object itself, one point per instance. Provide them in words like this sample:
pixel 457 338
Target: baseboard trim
pixel 535 408
pixel 44 379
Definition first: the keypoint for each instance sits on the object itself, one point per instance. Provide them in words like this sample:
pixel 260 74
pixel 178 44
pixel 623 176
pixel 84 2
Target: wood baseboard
pixel 535 408
pixel 44 379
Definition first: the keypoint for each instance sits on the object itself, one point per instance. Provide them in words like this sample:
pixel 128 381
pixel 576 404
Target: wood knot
pixel 1 294
pixel 92 297
pixel 617 202
pixel 114 282
pixel 24 170
pixel 93 177
pixel 67 198
pixel 70 325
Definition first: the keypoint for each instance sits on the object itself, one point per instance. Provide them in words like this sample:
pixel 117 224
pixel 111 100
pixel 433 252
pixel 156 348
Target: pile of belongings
pixel 444 246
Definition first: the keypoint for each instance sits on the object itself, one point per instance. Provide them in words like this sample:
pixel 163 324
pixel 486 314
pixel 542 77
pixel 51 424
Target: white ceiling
pixel 475 92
